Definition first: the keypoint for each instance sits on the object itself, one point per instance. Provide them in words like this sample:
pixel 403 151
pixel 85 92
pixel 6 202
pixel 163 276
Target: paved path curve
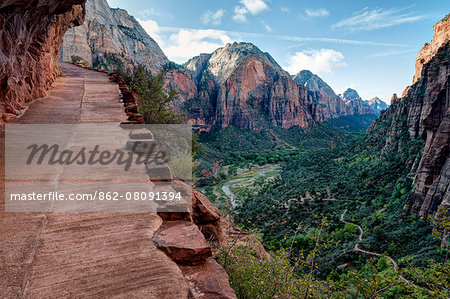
pixel 360 237
pixel 82 255
pixel 357 248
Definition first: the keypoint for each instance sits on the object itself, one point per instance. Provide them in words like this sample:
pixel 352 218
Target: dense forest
pixel 332 183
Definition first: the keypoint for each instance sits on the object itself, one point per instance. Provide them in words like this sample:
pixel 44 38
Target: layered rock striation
pixel 30 42
pixel 424 113
pixel 441 35
pixel 111 38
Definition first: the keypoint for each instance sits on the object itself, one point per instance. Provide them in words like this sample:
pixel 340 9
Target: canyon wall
pixel 424 111
pixel 110 38
pixel 30 42
pixel 441 35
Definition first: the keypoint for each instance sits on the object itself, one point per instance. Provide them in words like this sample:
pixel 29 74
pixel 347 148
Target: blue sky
pixel 366 45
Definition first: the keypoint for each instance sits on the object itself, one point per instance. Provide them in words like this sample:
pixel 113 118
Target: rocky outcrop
pixel 441 35
pixel 424 113
pixel 110 38
pixel 209 280
pixel 30 40
pixel 354 103
pixel 377 105
pixel 183 242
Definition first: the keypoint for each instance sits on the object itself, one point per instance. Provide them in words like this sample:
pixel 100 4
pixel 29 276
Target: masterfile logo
pixel 98 168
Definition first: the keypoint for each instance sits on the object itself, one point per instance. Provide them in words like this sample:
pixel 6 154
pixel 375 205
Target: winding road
pixel 360 237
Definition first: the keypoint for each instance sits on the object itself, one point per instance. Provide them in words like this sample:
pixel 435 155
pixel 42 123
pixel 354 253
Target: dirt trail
pixel 360 237
pixel 89 255
pixel 356 248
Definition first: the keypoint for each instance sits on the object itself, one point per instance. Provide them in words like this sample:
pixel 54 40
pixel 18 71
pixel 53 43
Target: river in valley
pixel 226 188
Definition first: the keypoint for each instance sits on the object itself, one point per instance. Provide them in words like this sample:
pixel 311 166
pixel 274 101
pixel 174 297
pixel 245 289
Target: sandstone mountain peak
pixel 111 38
pixel 223 61
pixel 441 35
pixel 313 82
pixel 350 95
pixel 377 104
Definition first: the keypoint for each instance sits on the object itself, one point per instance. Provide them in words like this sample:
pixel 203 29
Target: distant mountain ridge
pixel 332 105
pixel 237 85
pixel 377 104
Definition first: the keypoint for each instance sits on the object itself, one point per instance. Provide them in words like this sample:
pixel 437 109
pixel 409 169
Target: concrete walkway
pixel 82 255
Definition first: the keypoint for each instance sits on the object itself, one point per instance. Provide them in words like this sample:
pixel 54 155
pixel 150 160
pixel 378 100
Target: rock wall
pixel 30 40
pixel 242 86
pixel 377 105
pixel 330 105
pixel 441 35
pixel 256 91
pixel 425 112
pixel 110 38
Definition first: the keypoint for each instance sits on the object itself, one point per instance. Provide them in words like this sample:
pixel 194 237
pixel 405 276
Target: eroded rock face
pixel 441 35
pixel 111 38
pixel 30 40
pixel 183 83
pixel 425 113
pixel 240 85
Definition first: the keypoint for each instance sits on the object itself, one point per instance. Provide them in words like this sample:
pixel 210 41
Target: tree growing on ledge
pixel 155 104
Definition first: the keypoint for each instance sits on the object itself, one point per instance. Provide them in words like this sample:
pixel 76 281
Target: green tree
pixel 155 104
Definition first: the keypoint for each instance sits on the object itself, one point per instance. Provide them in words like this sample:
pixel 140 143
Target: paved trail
pixel 356 248
pixel 89 255
pixel 360 237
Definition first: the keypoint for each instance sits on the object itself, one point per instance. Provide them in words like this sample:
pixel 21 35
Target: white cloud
pixel 186 44
pixel 285 9
pixel 152 29
pixel 377 19
pixel 314 13
pixel 255 6
pixel 213 18
pixel 392 53
pixel 181 44
pixel 317 61
pixel 267 27
pixel 240 14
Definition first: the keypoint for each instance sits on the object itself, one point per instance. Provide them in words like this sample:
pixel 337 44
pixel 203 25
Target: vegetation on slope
pixel 372 186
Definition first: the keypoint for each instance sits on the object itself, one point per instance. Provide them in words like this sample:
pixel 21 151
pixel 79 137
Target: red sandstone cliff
pixel 424 111
pixel 441 35
pixel 242 86
pixel 30 41
pixel 110 38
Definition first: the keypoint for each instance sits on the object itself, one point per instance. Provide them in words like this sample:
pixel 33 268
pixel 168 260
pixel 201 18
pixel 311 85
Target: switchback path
pixel 84 255
pixel 356 248
pixel 360 237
